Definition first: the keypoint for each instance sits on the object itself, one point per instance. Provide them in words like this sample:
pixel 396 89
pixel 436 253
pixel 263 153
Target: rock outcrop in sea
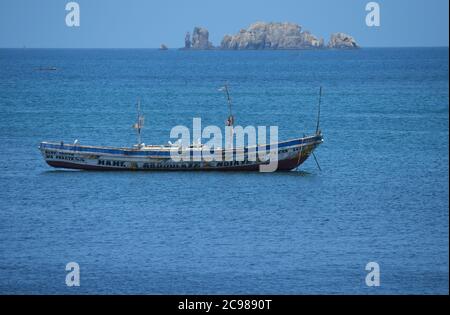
pixel 261 35
pixel 200 39
pixel 187 41
pixel 342 41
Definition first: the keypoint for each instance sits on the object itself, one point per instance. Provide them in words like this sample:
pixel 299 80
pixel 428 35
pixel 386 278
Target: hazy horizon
pixel 178 48
pixel 148 24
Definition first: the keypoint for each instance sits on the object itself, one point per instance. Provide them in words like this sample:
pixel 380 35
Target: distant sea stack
pixel 200 39
pixel 187 41
pixel 274 35
pixel 342 41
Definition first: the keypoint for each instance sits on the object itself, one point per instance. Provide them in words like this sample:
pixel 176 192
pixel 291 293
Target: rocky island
pixel 261 35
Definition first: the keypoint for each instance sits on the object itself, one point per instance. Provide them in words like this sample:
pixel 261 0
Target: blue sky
pixel 148 23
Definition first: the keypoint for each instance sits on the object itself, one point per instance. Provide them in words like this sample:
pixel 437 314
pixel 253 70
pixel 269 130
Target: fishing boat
pixel 290 154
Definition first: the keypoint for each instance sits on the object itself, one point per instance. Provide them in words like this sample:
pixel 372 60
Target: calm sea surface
pixel 382 195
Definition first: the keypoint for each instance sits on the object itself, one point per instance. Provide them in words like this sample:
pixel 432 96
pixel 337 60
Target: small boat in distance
pixel 290 154
pixel 46 69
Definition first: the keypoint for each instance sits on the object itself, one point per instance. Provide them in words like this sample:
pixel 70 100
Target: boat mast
pixel 140 122
pixel 230 120
pixel 318 112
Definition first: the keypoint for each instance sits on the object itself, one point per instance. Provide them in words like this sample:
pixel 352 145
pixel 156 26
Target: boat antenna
pixel 140 122
pixel 230 120
pixel 318 112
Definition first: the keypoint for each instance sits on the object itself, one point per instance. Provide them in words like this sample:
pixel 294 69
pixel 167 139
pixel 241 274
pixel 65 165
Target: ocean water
pixel 382 194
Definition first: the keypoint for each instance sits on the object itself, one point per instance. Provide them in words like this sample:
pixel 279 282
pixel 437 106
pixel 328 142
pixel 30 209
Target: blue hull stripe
pixel 131 152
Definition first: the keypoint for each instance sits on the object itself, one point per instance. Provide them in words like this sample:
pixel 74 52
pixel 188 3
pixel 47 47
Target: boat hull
pixel 291 154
